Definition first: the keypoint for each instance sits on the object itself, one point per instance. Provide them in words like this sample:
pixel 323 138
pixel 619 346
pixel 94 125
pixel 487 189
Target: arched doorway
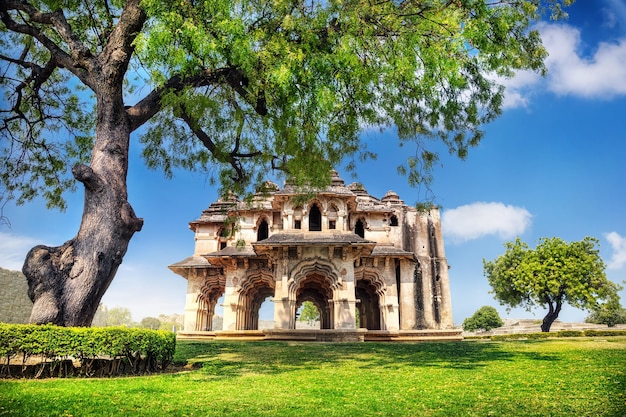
pixel 207 298
pixel 315 289
pixel 368 305
pixel 262 231
pixel 315 219
pixel 359 228
pixel 255 289
pixel 314 280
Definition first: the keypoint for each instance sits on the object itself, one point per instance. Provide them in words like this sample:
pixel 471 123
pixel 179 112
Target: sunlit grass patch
pixel 565 377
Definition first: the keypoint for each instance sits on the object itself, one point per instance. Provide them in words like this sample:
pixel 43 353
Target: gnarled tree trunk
pixel 66 283
pixel 553 314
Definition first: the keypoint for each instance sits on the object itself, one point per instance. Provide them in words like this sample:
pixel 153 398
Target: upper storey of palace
pixel 335 214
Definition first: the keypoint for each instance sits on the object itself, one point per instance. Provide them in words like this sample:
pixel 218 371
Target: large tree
pixel 554 273
pixel 233 88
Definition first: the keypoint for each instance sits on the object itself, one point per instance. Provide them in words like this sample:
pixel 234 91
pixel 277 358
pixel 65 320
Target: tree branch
pixel 150 105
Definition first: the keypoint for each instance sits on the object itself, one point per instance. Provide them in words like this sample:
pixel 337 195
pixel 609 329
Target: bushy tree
pixel 485 318
pixel 609 313
pixel 151 323
pixel 552 274
pixel 119 316
pixel 309 312
pixel 234 89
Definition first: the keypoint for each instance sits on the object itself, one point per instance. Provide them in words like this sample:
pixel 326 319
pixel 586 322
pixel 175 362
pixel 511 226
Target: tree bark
pixel 66 283
pixel 553 314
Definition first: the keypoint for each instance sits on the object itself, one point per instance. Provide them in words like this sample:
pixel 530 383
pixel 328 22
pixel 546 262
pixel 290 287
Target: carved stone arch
pixel 360 225
pixel 315 210
pixel 315 280
pixel 370 291
pixel 254 288
pixel 308 266
pixel 262 227
pixel 208 295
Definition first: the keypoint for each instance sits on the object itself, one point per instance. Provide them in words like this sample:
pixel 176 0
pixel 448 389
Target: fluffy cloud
pixel 570 72
pixel 476 220
pixel 13 250
pixel 618 243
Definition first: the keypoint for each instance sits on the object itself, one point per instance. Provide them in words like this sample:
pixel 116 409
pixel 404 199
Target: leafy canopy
pixel 238 88
pixel 554 273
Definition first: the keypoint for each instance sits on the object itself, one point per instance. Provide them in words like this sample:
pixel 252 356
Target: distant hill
pixel 15 306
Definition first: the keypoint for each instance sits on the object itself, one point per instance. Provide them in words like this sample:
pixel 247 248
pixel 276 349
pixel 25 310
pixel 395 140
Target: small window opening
pixel 262 232
pixel 315 219
pixel 393 221
pixel 332 224
pixel 297 224
pixel 359 229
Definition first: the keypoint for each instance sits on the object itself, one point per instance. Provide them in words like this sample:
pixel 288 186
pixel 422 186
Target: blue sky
pixel 554 164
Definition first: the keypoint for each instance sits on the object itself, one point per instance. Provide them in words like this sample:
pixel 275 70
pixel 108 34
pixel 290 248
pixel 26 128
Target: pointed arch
pixel 370 292
pixel 315 218
pixel 210 292
pixel 262 232
pixel 315 280
pixel 254 289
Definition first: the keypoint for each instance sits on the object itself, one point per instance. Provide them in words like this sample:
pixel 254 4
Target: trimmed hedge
pixel 562 333
pixel 40 351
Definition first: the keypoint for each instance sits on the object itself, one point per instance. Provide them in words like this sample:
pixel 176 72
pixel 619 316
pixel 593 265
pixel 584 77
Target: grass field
pixel 557 377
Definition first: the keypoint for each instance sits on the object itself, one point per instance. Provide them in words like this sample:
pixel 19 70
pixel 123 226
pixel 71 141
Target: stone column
pixel 408 317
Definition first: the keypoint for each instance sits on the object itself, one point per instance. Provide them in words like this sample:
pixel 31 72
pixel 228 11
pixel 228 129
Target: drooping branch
pixel 233 158
pixel 150 105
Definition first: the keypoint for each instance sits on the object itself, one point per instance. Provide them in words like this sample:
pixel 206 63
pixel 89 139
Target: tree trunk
pixel 66 283
pixel 552 315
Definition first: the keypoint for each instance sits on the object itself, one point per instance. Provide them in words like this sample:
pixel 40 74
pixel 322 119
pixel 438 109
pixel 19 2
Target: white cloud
pixel 602 75
pixel 618 243
pixel 476 220
pixel 570 72
pixel 13 250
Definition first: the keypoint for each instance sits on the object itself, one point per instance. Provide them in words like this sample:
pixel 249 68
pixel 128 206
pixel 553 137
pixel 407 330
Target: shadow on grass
pixel 230 359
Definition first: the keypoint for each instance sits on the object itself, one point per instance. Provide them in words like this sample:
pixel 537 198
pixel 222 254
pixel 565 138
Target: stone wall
pixel 15 306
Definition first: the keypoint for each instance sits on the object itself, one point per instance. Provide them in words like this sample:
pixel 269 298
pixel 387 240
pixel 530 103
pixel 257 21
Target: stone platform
pixel 326 335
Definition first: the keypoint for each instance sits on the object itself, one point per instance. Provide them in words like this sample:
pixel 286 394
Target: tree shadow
pixel 231 359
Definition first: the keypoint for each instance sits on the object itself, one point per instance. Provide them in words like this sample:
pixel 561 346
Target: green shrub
pixel 485 318
pixel 569 333
pixel 96 351
pixel 595 333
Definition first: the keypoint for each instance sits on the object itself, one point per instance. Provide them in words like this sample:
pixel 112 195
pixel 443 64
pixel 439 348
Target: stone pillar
pixel 408 317
pixel 194 283
pixel 389 305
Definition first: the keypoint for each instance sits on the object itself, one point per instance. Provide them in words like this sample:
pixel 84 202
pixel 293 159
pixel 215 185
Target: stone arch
pixel 315 217
pixel 210 292
pixel 262 229
pixel 254 289
pixel 333 215
pixel 317 281
pixel 370 292
pixel 360 226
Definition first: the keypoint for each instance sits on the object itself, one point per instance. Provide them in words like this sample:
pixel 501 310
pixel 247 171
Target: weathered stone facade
pixel 342 249
pixel 15 306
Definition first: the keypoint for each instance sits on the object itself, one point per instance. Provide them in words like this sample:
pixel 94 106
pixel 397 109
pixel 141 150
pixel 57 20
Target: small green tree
pixel 609 313
pixel 119 316
pixel 554 273
pixel 151 323
pixel 485 318
pixel 309 313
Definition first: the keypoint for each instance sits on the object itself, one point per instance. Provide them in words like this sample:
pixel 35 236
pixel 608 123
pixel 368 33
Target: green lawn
pixel 557 377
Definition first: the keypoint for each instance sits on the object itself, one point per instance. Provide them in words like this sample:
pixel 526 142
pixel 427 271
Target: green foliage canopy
pixel 554 273
pixel 485 318
pixel 309 312
pixel 238 88
pixel 610 313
